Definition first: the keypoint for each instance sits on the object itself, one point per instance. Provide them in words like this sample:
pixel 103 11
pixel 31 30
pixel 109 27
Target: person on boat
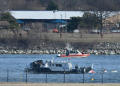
pixel 52 61
pixel 83 70
pixel 83 52
pixel 46 64
pixel 67 52
pixel 76 67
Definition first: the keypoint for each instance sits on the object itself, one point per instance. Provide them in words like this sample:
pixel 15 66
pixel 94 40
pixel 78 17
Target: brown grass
pixel 69 37
pixel 66 37
pixel 53 40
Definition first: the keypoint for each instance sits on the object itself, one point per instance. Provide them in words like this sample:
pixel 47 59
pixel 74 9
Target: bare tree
pixel 103 10
pixel 34 5
pixel 36 29
pixel 4 5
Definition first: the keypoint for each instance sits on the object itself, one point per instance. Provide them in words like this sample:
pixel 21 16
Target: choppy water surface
pixel 15 65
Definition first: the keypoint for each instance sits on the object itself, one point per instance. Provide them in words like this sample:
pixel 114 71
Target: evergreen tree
pixel 89 20
pixel 73 24
pixel 52 6
pixel 7 17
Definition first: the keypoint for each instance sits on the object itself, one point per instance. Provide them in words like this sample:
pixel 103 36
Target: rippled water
pixel 12 67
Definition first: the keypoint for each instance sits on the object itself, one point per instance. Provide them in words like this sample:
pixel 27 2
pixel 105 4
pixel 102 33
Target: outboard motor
pixel 76 68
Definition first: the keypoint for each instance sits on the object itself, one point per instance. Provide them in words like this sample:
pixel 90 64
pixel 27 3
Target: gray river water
pixel 12 66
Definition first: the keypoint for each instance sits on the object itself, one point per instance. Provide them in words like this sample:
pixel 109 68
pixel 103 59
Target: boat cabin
pixel 60 66
pixel 72 52
pixel 53 66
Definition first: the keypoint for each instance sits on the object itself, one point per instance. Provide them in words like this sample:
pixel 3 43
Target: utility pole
pixel 54 11
pixel 65 17
pixel 61 22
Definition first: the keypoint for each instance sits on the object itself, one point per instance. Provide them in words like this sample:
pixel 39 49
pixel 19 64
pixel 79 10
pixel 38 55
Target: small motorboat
pixel 104 70
pixel 114 71
pixel 52 67
pixel 73 53
pixel 112 53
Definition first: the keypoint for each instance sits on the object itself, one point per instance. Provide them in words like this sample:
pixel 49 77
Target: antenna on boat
pixel 52 59
pixel 92 66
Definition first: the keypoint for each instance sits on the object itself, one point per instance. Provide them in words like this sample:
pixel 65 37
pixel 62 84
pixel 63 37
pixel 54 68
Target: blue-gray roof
pixel 53 14
pixel 46 14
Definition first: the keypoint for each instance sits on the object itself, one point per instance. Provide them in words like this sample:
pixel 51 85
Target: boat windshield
pixel 74 51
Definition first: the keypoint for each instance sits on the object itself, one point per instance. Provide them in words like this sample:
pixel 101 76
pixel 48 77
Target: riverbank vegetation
pixel 61 4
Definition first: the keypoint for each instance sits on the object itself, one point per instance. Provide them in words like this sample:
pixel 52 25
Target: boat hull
pixel 75 55
pixel 48 71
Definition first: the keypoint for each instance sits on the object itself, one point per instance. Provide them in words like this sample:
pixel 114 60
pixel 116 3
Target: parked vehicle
pixel 114 30
pixel 55 31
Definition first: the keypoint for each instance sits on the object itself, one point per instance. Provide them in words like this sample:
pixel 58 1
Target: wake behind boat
pixel 52 67
pixel 73 53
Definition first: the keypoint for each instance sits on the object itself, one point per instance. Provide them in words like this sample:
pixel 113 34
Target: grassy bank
pixel 42 41
pixel 69 37
pixel 76 37
pixel 66 37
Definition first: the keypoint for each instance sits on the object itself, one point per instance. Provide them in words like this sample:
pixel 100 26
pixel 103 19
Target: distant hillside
pixel 62 4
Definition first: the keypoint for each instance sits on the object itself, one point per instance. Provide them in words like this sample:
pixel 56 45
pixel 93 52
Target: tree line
pixel 88 20
pixel 62 4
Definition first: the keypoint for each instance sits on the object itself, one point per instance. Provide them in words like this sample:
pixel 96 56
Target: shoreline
pixel 60 51
pixel 97 49
pixel 57 84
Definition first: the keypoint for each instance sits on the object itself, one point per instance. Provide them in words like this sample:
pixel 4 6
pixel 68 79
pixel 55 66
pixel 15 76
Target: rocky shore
pixel 97 52
pixel 102 48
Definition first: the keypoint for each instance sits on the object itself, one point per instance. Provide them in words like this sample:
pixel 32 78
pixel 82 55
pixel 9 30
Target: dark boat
pixel 52 67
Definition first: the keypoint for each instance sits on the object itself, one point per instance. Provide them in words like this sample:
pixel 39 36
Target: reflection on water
pixel 15 65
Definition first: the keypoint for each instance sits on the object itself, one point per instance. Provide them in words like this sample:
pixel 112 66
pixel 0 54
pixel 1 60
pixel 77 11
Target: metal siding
pixel 45 14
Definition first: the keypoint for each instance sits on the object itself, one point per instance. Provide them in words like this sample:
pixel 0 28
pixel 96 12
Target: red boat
pixel 73 53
